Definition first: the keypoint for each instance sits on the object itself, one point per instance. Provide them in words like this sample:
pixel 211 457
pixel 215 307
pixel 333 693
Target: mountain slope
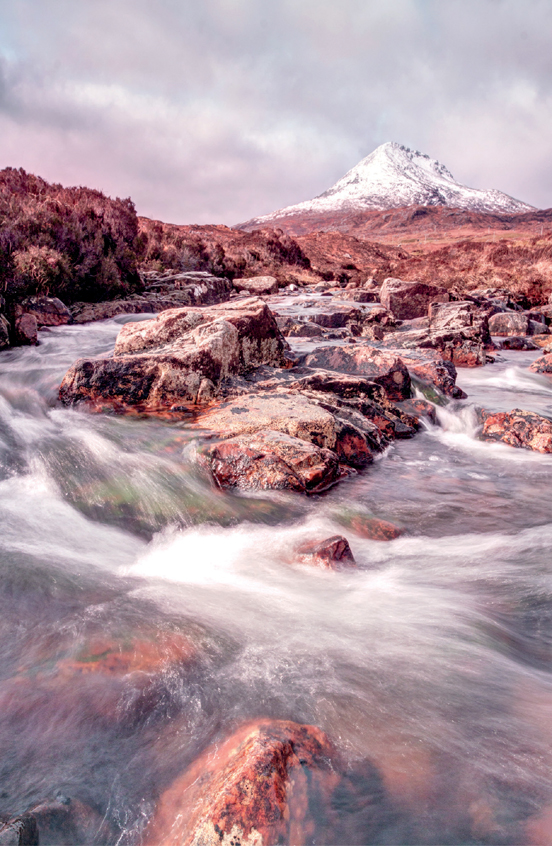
pixel 394 176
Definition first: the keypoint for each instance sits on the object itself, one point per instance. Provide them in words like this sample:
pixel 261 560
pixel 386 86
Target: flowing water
pixel 432 659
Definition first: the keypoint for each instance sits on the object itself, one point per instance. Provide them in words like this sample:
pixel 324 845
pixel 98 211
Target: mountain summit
pixel 394 176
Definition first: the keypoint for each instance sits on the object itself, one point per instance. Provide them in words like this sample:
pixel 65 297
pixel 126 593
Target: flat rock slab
pixel 269 460
pixel 380 366
pixel 289 413
pixel 517 428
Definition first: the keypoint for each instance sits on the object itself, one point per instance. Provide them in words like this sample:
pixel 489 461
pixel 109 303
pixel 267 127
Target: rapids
pixel 432 659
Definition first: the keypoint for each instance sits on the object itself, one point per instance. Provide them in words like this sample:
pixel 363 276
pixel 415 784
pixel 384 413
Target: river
pixel 432 659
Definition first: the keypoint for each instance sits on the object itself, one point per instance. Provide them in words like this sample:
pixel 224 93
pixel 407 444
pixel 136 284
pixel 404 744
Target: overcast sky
pixel 219 110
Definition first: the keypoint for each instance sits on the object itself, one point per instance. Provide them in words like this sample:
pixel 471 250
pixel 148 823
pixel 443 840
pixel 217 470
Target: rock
pixel 335 317
pixel 49 311
pixel 330 554
pixel 518 428
pixel 382 367
pixel 542 364
pixel 361 295
pixel 19 831
pixel 4 332
pixel 429 367
pixel 407 300
pixel 257 285
pixel 411 410
pixel 304 330
pixel 367 526
pixel 270 782
pixel 179 358
pixel 342 384
pixel 456 316
pixel 269 460
pixel 26 330
pixel 509 323
pixel 66 822
pixel 541 340
pixel 516 343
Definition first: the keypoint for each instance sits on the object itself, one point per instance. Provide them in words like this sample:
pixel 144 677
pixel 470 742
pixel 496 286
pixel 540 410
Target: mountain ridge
pixel 394 176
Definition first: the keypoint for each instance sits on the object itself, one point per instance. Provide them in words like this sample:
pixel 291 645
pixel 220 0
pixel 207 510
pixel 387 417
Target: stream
pixel 432 659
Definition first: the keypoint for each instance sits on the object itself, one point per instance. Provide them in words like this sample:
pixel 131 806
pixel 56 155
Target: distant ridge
pixel 391 177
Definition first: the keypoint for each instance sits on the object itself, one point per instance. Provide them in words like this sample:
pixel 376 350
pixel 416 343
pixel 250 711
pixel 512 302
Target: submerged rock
pixel 518 428
pixel 330 554
pixel 367 525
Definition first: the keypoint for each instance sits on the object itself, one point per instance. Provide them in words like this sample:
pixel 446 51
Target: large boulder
pixel 179 358
pixel 457 317
pixel 4 332
pixel 382 367
pixel 407 300
pixel 25 330
pixel 257 285
pixel 518 428
pixel 432 368
pixel 49 311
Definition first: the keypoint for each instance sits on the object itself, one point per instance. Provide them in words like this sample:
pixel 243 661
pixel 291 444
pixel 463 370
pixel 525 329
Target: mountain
pixel 391 177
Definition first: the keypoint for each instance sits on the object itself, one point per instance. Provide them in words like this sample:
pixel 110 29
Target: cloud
pixel 225 109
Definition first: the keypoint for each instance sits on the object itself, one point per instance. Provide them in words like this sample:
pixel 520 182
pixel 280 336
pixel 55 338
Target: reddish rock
pixel 518 428
pixel 179 358
pixel 335 317
pixel 49 311
pixel 368 526
pixel 407 300
pixel 257 285
pixel 429 367
pixel 542 364
pixel 457 316
pixel 382 367
pixel 541 340
pixel 269 460
pixel 361 295
pixel 270 782
pixel 26 330
pixel 330 554
pixel 413 409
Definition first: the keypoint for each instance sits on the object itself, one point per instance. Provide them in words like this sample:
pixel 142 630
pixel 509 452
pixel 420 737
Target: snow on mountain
pixel 394 176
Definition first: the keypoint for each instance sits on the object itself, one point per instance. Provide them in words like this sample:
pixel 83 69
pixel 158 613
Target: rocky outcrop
pixel 270 782
pixel 518 428
pixel 179 358
pixel 329 554
pixel 257 285
pixel 271 460
pixel 407 300
pixel 48 311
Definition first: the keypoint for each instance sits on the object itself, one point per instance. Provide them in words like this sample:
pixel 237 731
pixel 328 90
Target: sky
pixel 215 111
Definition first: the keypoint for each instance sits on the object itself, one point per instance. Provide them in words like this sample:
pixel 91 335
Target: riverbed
pixel 432 659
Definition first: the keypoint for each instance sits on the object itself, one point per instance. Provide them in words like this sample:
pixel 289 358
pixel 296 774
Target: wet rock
pixel 541 340
pixel 457 316
pixel 257 285
pixel 304 330
pixel 518 428
pixel 463 348
pixel 26 330
pixel 367 526
pixel 542 364
pixel 407 300
pixel 335 317
pixel 429 367
pixel 270 782
pixel 382 367
pixel 330 554
pixel 361 295
pixel 49 311
pixel 515 342
pixel 269 460
pixel 4 332
pixel 19 831
pixel 412 410
pixel 342 384
pixel 178 358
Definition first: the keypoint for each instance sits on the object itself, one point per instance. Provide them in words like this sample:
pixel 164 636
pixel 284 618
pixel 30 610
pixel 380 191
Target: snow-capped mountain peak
pixel 394 176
